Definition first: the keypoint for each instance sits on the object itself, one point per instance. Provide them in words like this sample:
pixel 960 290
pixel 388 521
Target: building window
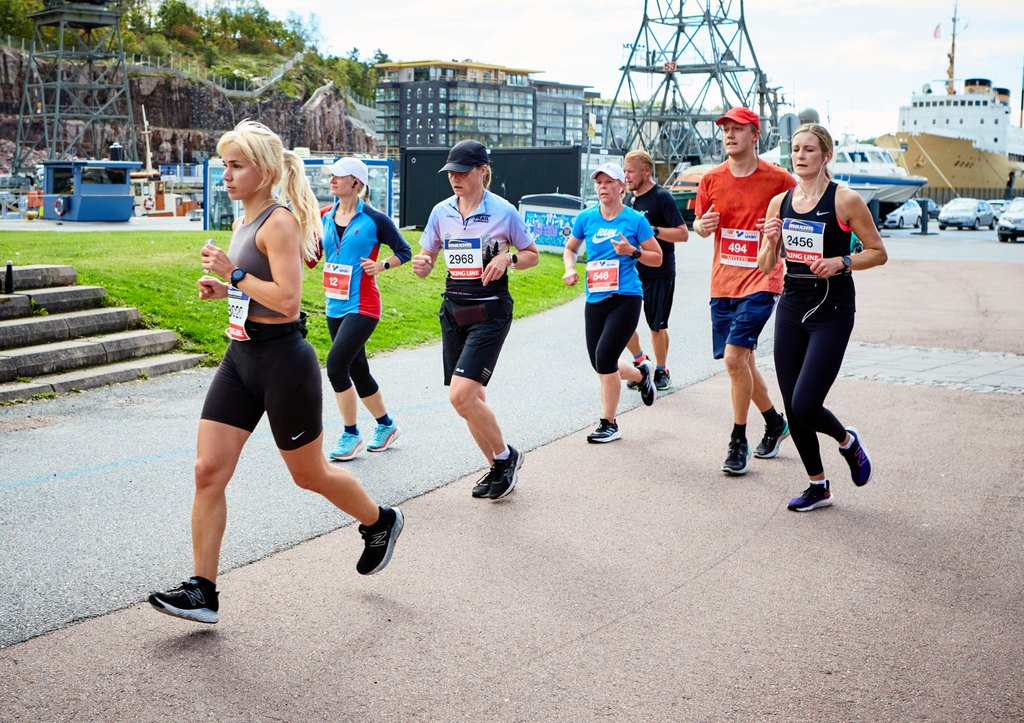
pixel 419 93
pixel 442 92
pixel 430 92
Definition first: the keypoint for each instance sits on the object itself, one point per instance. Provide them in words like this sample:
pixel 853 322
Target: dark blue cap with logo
pixel 465 156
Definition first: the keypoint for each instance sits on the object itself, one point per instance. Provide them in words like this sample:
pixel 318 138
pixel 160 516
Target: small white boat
pixel 869 170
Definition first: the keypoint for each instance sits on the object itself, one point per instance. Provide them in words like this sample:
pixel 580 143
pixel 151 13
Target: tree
pixel 14 17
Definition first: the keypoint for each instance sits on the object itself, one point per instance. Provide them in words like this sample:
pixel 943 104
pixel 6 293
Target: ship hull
pixel 951 163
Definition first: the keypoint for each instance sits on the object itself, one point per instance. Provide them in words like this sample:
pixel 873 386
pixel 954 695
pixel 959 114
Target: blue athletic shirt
pixel 598 232
pixel 363 237
pixel 494 227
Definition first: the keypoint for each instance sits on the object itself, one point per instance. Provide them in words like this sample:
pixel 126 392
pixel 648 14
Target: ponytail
pixel 299 194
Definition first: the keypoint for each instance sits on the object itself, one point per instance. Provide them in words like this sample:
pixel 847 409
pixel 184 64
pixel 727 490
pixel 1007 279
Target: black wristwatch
pixel 846 262
pixel 656 231
pixel 636 254
pixel 386 266
pixel 514 259
pixel 236 276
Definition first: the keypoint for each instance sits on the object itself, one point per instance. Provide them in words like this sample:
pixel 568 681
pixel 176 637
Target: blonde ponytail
pixel 299 195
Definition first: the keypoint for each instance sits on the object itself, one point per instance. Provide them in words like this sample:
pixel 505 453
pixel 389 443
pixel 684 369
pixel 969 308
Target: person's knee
pixel 464 398
pixel 210 477
pixel 737 361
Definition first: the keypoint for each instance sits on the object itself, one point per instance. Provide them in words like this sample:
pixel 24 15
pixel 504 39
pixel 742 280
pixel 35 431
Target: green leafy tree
pixel 14 17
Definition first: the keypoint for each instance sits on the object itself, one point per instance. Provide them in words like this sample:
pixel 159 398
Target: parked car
pixel 967 213
pixel 997 207
pixel 933 207
pixel 909 214
pixel 1011 222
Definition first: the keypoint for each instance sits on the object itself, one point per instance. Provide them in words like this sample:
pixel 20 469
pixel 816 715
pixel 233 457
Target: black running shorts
pixel 658 293
pixel 280 376
pixel 472 350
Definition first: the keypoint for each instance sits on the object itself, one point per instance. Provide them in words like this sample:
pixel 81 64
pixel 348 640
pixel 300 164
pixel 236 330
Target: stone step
pixel 14 306
pixel 59 299
pixel 60 327
pixel 61 356
pixel 37 276
pixel 92 377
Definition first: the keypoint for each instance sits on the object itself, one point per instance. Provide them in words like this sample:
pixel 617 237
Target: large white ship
pixel 963 139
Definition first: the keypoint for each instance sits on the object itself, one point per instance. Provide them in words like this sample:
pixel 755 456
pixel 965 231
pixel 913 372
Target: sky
pixel 854 61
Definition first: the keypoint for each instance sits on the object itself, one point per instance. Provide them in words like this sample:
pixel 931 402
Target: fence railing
pixel 233 84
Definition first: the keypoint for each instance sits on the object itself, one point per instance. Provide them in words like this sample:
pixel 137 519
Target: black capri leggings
pixel 609 325
pixel 808 355
pixel 346 361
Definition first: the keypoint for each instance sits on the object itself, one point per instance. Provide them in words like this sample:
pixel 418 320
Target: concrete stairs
pixel 78 343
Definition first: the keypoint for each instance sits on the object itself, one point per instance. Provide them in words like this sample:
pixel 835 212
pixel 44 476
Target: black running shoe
pixel 194 600
pixel 482 488
pixel 606 432
pixel 662 380
pixel 736 461
pixel 379 541
pixel 772 440
pixel 857 457
pixel 648 392
pixel 507 475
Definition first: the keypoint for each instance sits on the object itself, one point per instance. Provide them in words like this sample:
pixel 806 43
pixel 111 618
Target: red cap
pixel 741 116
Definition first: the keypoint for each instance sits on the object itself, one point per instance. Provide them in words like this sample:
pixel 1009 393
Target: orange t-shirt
pixel 741 202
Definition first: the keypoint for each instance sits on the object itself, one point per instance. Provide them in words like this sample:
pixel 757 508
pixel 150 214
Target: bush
pixel 156 44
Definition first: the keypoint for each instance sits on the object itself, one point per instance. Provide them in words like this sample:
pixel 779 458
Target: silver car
pixel 967 213
pixel 1011 222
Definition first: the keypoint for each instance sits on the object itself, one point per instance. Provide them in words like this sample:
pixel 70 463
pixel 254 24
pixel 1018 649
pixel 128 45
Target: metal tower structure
pixel 75 100
pixel 691 61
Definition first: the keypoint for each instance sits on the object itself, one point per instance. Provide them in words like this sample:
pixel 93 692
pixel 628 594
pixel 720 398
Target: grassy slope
pixel 156 272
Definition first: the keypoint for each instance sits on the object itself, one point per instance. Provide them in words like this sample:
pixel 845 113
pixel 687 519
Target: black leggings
pixel 808 356
pixel 610 324
pixel 346 361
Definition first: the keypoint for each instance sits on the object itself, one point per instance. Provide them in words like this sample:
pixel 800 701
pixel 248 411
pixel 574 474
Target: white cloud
pixel 855 60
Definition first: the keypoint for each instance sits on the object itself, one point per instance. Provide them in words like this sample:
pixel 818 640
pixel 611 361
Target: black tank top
pixel 804 229
pixel 805 236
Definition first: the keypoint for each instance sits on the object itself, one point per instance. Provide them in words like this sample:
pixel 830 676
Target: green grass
pixel 156 272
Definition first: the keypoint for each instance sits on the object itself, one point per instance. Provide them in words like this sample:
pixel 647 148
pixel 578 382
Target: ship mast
pixel 950 86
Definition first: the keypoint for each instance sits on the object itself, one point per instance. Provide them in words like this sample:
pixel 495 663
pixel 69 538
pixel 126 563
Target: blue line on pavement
pixel 81 471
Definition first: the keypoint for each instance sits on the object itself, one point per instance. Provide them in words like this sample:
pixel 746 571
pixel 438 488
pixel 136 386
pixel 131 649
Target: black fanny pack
pixel 266 332
pixel 467 314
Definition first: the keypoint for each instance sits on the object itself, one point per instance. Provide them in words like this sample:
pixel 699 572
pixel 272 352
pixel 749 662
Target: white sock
pixel 503 456
pixel 819 482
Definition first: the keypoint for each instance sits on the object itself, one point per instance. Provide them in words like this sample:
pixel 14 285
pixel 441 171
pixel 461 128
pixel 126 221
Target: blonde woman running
pixel 268 367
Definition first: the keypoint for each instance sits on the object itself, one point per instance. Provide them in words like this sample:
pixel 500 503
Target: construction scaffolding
pixel 76 101
pixel 691 61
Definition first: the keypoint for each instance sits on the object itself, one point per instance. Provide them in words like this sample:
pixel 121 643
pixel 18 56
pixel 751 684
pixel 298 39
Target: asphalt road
pixel 95 488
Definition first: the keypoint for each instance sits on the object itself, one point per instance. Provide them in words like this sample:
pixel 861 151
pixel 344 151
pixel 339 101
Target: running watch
pixel 846 262
pixel 236 276
pixel 636 255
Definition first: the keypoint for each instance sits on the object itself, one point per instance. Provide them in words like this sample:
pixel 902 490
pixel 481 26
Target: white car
pixel 997 208
pixel 909 214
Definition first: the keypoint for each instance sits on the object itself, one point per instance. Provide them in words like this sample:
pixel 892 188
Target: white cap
pixel 612 170
pixel 350 167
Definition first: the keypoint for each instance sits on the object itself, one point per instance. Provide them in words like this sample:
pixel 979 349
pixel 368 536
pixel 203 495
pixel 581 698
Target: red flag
pixel 938 31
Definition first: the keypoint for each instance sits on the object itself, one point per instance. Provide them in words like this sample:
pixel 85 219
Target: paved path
pixel 630 582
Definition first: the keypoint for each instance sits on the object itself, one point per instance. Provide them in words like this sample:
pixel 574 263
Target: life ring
pixel 60 206
pixel 148 203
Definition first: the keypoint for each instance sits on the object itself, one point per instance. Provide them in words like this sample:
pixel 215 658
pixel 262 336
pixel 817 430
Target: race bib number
pixel 804 240
pixel 238 312
pixel 337 279
pixel 464 258
pixel 739 247
pixel 602 276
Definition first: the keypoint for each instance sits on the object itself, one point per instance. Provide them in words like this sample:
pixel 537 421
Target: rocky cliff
pixel 186 118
